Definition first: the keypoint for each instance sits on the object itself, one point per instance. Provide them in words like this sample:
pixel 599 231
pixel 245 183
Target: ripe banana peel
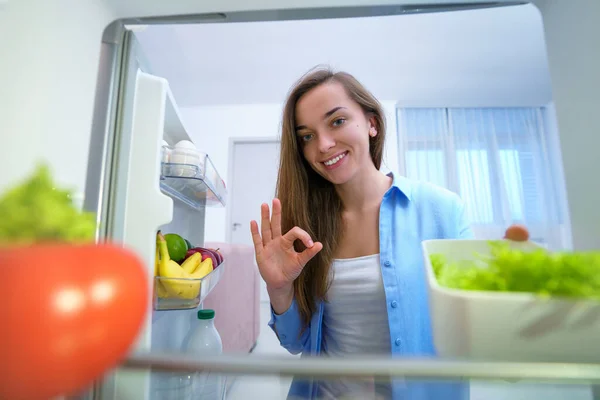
pixel 181 281
pixel 203 269
pixel 156 260
pixel 161 291
pixel 192 262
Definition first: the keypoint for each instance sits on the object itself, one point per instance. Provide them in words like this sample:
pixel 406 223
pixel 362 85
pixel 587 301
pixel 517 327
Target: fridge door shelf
pixel 182 293
pixel 197 184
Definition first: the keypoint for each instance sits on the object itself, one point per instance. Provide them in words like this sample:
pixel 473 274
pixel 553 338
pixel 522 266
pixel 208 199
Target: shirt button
pixel 283 336
pixel 387 264
pixel 394 304
pixel 398 341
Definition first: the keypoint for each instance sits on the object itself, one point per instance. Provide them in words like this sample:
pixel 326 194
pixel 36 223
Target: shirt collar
pixel 401 183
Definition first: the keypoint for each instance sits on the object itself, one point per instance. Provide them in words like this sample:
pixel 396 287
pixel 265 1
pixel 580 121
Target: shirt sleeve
pixel 287 327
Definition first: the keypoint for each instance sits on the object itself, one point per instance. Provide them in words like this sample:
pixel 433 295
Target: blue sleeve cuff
pixel 287 325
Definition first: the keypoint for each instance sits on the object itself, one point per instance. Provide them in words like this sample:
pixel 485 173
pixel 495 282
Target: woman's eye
pixel 306 138
pixel 339 121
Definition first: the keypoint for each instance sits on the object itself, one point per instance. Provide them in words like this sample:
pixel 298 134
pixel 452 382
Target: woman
pixel 341 252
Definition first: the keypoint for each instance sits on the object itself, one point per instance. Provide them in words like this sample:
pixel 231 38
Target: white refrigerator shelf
pixel 198 185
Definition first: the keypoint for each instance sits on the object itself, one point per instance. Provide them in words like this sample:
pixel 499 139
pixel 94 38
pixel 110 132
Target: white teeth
pixel 334 160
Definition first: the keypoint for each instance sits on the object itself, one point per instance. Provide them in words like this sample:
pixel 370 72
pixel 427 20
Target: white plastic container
pixel 205 340
pixel 500 326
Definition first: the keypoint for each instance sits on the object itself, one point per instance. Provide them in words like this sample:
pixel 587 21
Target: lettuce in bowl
pixel 506 269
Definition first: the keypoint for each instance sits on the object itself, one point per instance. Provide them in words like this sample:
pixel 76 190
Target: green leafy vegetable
pixel 506 269
pixel 37 211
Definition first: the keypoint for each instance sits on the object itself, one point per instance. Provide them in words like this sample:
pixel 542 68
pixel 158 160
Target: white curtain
pixel 503 162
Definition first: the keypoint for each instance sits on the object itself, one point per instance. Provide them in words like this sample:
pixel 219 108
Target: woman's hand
pixel 278 262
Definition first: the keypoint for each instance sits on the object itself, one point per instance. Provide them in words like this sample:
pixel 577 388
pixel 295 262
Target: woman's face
pixel 334 133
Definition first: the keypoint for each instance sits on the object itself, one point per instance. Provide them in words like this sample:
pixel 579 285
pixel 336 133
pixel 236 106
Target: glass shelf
pixel 184 294
pixel 195 182
pixel 322 367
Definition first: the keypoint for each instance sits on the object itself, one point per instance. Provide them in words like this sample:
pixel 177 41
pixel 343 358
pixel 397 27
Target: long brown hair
pixel 308 200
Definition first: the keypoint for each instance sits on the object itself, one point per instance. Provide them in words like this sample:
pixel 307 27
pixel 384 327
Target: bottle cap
pixel 206 314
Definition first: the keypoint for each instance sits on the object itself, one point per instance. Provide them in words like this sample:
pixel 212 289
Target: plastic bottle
pixel 206 341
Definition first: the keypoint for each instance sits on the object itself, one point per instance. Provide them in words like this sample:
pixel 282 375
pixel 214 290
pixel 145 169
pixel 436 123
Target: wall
pixel 573 39
pixel 212 127
pixel 48 86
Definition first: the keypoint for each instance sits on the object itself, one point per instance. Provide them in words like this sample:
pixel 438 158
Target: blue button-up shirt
pixel 410 212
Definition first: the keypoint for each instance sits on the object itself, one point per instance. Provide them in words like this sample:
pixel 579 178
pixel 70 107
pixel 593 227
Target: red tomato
pixel 517 233
pixel 69 313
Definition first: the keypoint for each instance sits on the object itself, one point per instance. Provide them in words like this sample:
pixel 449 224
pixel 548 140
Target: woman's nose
pixel 326 142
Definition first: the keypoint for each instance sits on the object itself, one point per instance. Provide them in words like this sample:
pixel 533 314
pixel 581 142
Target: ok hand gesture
pixel 278 262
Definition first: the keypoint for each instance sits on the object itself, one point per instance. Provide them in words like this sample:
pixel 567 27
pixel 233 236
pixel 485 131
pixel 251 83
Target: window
pixel 501 161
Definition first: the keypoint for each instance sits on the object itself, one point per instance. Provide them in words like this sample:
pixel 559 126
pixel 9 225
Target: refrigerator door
pixel 134 203
pixel 142 194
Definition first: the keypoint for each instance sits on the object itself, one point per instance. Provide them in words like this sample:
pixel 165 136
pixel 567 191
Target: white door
pixel 253 179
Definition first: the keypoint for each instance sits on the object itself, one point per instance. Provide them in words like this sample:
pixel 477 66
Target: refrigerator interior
pixel 140 206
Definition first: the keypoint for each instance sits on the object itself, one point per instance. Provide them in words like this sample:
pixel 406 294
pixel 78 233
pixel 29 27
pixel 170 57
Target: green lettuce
pixel 36 210
pixel 506 269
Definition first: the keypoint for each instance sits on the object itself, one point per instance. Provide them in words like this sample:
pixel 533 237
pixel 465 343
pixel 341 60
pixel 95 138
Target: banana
pixel 203 269
pixel 179 284
pixel 156 261
pixel 192 262
pixel 161 291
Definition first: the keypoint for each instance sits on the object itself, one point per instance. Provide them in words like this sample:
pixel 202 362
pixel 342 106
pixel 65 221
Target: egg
pixel 185 144
pixel 187 157
pixel 517 233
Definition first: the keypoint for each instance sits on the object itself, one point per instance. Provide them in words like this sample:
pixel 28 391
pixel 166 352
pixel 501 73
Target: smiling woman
pixel 343 236
pixel 326 140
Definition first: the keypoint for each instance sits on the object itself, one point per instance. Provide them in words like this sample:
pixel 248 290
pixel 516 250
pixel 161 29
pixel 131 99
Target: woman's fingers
pixel 276 218
pixel 298 234
pixel 265 223
pixel 256 239
pixel 309 253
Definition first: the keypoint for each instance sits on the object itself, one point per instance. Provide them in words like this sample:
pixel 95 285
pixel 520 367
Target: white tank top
pixel 355 322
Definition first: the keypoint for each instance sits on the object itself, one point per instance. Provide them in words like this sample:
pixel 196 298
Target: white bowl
pixel 501 326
